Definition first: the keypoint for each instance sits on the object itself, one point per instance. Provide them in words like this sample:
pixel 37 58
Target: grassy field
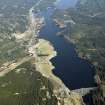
pixel 25 86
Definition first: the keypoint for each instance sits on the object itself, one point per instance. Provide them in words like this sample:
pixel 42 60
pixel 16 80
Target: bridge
pixel 84 91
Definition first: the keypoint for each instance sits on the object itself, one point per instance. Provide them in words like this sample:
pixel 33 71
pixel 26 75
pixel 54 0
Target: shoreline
pixel 72 41
pixel 60 90
pixel 42 52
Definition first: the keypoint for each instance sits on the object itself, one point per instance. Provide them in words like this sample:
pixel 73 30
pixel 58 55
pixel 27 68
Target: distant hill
pixel 91 6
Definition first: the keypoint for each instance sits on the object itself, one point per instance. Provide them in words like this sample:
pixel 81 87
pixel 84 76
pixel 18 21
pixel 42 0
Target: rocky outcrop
pixel 60 23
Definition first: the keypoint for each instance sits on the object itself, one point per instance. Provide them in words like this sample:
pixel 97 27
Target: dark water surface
pixel 73 71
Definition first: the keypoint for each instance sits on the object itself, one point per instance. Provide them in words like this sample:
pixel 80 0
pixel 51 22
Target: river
pixel 64 4
pixel 73 71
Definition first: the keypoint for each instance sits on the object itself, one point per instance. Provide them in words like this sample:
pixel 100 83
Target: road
pixel 13 66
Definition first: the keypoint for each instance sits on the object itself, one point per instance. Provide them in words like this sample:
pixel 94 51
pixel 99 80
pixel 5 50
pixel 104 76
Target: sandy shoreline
pixel 45 67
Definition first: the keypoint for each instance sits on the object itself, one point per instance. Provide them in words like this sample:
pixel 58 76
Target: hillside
pixel 85 28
